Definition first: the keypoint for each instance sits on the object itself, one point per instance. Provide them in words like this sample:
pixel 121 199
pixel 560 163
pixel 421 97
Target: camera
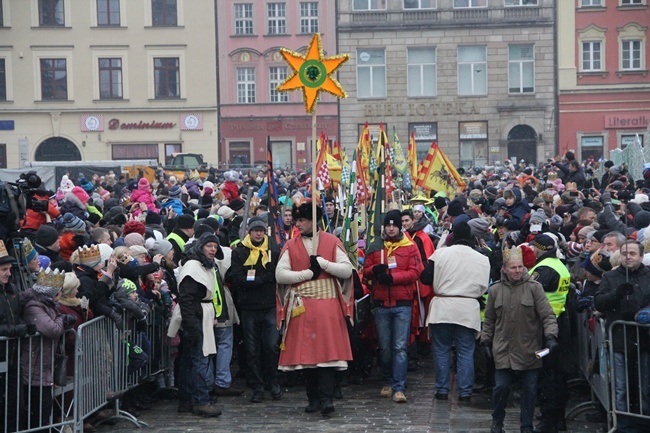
pixel 29 183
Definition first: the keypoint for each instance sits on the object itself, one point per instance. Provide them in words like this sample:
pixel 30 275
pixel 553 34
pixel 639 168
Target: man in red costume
pixel 314 300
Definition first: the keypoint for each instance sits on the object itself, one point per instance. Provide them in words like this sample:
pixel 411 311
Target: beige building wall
pixel 94 125
pixel 445 28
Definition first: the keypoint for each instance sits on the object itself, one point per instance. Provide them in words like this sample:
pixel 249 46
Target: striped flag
pixel 275 223
pixel 323 172
pixel 438 173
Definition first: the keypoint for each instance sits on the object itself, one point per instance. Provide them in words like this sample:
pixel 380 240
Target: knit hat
pixel 80 194
pixel 257 223
pixel 137 250
pixel 72 222
pixel 478 226
pixel 4 255
pixel 70 283
pixel 105 252
pixel 586 231
pixel 574 249
pixel 462 231
pixel 225 212
pixel 86 185
pixel 161 247
pixel 538 217
pixel 175 192
pixel 202 228
pixel 89 256
pixel 556 222
pixel 641 219
pixel 133 239
pixel 544 242
pixel 143 184
pixel 49 282
pixel 28 251
pixel 172 180
pixel 46 235
pixel 597 263
pixel 528 256
pixel 153 218
pixel 44 261
pixel 134 227
pixel 236 204
pixel 475 195
pixel 439 202
pixel 393 217
pixel 184 221
pixel 127 286
pixel 455 208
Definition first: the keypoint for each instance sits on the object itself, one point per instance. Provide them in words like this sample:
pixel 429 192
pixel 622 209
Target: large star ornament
pixel 312 73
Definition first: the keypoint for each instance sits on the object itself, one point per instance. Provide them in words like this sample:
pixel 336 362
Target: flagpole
pixel 314 245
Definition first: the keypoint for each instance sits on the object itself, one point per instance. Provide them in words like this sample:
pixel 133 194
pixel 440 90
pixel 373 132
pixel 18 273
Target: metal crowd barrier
pixel 593 352
pixel 630 371
pixel 101 376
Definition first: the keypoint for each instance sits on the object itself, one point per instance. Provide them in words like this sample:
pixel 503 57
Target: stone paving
pixel 361 410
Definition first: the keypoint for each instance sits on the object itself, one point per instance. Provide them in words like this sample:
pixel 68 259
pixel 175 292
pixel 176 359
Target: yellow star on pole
pixel 312 71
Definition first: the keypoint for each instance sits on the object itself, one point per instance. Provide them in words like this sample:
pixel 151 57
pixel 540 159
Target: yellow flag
pixel 412 159
pixel 439 174
pixel 398 160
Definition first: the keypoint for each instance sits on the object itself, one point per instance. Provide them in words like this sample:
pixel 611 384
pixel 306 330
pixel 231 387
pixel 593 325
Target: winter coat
pixel 192 188
pixel 517 316
pixel 577 176
pixel 408 270
pixel 97 290
pixel 10 309
pixel 83 316
pixel 72 204
pixel 143 195
pixel 230 190
pixel 175 204
pixel 260 293
pixel 516 214
pixel 33 219
pixel 37 359
pixel 626 307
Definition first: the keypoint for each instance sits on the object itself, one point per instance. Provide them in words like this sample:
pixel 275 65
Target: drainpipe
pixel 556 81
pixel 216 43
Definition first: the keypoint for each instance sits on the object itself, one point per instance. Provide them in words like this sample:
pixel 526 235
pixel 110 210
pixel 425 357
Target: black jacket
pixel 97 290
pixel 10 310
pixel 252 295
pixel 626 307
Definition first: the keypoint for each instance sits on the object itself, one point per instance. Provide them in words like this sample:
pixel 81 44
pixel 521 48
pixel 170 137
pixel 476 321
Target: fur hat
pixel 304 210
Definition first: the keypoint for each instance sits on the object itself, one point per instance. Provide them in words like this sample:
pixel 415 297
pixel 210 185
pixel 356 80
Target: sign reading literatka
pixel 633 120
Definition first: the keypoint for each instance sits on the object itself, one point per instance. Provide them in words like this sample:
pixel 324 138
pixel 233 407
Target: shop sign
pixel 7 125
pixel 592 141
pixel 116 124
pixel 616 121
pixel 92 122
pixel 424 131
pixel 191 122
pixel 473 130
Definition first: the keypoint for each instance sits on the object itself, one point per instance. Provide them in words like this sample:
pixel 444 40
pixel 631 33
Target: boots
pixel 206 410
pixel 496 427
pixel 546 426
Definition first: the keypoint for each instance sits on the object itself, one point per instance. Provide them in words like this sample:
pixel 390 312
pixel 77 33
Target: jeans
pixel 223 339
pixel 442 337
pixel 393 328
pixel 624 373
pixel 261 343
pixel 195 375
pixel 503 379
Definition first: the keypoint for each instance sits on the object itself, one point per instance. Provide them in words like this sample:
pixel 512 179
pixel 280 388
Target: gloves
pixel 117 319
pixel 584 303
pixel 624 289
pixel 20 330
pixel 31 329
pixel 385 279
pixel 606 198
pixel 487 350
pixel 69 320
pixel 551 343
pixel 379 269
pixel 314 266
pixel 268 277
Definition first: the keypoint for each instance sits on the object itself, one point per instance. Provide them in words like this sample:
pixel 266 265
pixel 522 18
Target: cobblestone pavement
pixel 361 410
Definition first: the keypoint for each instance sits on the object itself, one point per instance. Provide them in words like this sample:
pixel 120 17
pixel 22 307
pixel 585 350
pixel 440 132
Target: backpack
pixel 12 205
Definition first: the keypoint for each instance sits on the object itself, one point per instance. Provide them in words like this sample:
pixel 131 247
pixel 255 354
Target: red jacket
pixel 34 219
pixel 408 270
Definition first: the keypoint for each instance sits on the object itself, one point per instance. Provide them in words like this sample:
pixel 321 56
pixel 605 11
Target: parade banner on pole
pixel 438 173
pixel 275 223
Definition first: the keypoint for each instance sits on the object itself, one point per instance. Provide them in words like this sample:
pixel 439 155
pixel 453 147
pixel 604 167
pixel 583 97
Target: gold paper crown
pixel 27 247
pixel 512 254
pixel 571 186
pixel 89 254
pixel 3 250
pixel 49 278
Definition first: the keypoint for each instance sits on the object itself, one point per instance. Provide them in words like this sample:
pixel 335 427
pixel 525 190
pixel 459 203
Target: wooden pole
pixel 314 173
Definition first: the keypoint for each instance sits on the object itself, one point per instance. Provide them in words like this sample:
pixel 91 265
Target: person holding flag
pixel 393 267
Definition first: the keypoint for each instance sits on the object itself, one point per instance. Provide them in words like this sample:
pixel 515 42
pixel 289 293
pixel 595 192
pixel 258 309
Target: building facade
pixel 250 35
pixel 604 86
pixel 107 80
pixel 476 76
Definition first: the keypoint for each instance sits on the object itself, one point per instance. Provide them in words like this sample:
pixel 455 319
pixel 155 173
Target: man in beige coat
pixel 517 316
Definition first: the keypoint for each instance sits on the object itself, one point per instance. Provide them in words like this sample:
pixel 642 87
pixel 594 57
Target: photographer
pixel 40 209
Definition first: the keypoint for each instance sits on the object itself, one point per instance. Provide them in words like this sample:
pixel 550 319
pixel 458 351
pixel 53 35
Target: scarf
pixel 255 251
pixel 391 246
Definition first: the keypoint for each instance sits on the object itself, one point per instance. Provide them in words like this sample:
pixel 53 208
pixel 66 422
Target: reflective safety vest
pixel 179 240
pixel 558 297
pixel 217 301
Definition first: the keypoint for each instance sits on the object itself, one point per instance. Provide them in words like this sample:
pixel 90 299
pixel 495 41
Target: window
pixel 631 2
pixel 629 139
pixel 54 79
pixel 51 13
pixel 309 17
pixel 134 151
pixel 368 5
pixel 371 73
pixel 421 71
pixel 110 78
pixel 167 77
pixel 244 19
pixel 470 3
pixel 170 149
pixel 472 71
pixel 2 18
pixel 420 4
pixel 630 55
pixel 277 18
pixel 246 85
pixel 521 69
pixel 108 12
pixel 277 75
pixel 588 3
pixel 164 13
pixel 521 2
pixel 3 80
pixel 239 153
pixel 591 147
pixel 591 56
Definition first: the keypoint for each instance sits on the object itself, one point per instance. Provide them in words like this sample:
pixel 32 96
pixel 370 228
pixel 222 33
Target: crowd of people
pixel 490 277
